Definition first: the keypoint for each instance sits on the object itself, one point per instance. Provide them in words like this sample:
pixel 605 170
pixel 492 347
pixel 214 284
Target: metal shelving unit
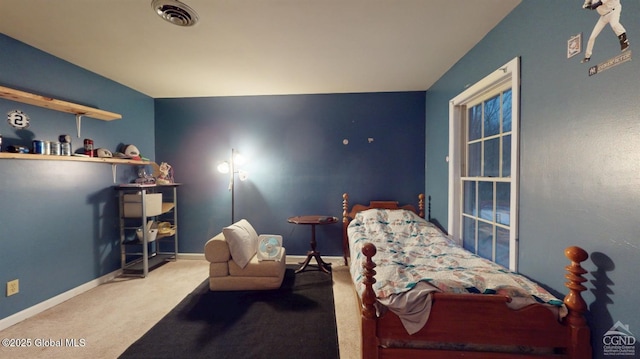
pixel 137 257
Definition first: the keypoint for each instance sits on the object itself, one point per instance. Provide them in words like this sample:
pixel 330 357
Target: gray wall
pixel 580 151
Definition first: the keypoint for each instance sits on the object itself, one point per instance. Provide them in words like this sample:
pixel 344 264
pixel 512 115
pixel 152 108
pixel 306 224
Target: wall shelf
pixel 29 156
pixel 68 107
pixel 57 105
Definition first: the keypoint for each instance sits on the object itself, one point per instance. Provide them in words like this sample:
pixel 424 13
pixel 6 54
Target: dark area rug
pixel 295 321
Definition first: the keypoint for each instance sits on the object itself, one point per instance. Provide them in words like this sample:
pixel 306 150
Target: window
pixel 483 166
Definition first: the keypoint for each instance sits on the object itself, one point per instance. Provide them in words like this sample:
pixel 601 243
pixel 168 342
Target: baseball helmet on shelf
pixel 131 151
pixel 103 153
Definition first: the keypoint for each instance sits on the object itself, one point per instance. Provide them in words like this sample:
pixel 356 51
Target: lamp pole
pixel 232 173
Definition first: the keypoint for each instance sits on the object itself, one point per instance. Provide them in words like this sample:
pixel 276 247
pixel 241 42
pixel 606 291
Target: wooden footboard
pixel 479 326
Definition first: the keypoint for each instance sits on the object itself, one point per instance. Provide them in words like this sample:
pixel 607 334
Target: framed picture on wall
pixel 574 45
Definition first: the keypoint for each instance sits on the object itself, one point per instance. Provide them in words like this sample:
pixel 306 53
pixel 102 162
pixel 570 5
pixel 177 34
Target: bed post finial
pixel 421 205
pixel 345 207
pixel 345 224
pixel 577 306
pixel 368 295
pixel 369 318
pixel 574 299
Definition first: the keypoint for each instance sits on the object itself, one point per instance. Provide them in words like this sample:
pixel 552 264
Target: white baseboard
pixel 191 256
pixel 42 306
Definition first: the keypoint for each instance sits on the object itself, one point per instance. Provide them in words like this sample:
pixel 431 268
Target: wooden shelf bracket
pixel 78 123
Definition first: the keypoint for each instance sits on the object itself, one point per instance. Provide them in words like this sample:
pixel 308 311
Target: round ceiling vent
pixel 175 12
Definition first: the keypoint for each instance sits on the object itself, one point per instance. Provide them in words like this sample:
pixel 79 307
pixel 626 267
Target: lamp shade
pixel 223 167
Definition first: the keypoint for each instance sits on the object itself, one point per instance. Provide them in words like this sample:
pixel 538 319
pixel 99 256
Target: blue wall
pixel 58 219
pixel 297 161
pixel 579 160
pixel 580 151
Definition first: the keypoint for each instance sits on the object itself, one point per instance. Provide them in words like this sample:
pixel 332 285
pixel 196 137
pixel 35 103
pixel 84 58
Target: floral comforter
pixel 412 252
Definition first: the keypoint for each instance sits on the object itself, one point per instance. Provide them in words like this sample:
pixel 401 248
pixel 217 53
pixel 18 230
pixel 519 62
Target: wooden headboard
pixel 349 215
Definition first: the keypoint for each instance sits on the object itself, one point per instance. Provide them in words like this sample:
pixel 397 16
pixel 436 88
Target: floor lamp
pixel 230 167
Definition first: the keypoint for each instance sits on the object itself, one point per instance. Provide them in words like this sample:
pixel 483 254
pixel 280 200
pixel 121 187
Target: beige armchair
pixel 234 264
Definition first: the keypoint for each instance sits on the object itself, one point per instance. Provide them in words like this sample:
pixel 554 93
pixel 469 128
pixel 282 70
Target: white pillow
pixel 242 240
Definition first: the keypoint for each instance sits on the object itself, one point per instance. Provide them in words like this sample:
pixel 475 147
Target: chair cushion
pixel 219 269
pixel 242 240
pixel 257 268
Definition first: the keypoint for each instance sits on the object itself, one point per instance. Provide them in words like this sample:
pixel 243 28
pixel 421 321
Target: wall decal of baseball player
pixel 609 11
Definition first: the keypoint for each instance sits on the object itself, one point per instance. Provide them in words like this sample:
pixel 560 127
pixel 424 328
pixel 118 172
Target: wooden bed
pixel 472 325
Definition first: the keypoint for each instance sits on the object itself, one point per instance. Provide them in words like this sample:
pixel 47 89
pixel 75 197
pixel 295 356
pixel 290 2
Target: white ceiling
pixel 259 47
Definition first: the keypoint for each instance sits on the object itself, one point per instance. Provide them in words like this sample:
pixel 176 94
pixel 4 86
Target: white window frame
pixel 457 112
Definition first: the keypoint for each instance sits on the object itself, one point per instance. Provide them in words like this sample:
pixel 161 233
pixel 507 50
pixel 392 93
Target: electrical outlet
pixel 13 287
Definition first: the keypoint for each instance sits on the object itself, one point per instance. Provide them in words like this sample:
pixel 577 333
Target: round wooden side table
pixel 313 220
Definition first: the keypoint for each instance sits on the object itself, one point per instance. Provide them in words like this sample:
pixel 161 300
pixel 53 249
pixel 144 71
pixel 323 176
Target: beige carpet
pixel 104 321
